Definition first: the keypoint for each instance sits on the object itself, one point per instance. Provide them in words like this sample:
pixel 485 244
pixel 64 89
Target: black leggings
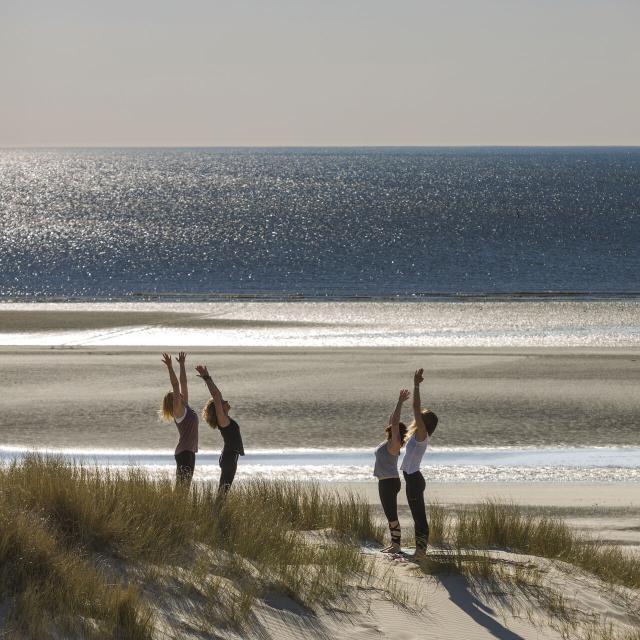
pixel 388 489
pixel 228 464
pixel 415 486
pixel 185 464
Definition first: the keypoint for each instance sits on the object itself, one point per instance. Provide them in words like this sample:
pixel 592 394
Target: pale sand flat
pixel 323 397
pixel 569 496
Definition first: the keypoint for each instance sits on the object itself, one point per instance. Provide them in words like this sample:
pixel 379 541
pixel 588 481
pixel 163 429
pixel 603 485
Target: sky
pixel 319 73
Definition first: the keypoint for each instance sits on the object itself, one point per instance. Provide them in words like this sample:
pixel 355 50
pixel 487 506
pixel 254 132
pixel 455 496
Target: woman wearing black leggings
pixel 386 470
pixel 423 426
pixel 216 414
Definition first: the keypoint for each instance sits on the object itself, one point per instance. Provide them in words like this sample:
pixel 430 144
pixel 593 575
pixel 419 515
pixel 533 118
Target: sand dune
pixel 447 607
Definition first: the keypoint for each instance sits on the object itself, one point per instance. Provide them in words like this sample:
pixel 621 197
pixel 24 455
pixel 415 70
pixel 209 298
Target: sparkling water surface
pixel 318 222
pixel 487 323
pixel 512 248
pixel 446 464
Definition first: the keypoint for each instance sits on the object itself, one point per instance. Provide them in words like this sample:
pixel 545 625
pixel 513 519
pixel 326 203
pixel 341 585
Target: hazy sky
pixel 329 72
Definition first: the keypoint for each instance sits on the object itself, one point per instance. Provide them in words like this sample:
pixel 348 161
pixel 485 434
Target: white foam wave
pixel 450 464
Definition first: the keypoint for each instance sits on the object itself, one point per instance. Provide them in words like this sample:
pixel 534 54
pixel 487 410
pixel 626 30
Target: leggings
pixel 185 464
pixel 228 464
pixel 415 486
pixel 388 488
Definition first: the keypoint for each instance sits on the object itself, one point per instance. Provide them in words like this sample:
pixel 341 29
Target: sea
pixel 354 248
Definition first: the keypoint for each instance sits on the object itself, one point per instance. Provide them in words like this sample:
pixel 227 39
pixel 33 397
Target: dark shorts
pixel 185 465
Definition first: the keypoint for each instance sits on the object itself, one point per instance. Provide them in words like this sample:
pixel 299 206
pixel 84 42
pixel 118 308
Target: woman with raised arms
pixel 386 470
pixel 175 406
pixel 424 424
pixel 216 415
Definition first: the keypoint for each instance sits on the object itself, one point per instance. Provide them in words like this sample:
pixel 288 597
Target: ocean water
pixel 441 464
pixel 335 248
pixel 112 223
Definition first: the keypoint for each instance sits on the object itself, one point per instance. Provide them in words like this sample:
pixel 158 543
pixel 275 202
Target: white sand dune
pixel 446 607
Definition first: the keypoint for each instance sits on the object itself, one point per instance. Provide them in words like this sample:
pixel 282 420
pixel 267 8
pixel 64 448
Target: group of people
pixel 175 407
pixel 416 438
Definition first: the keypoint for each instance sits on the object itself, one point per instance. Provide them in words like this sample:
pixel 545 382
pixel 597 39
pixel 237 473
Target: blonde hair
pixel 166 408
pixel 209 414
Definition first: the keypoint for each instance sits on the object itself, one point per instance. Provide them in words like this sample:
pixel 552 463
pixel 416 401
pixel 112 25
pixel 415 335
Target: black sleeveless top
pixel 232 438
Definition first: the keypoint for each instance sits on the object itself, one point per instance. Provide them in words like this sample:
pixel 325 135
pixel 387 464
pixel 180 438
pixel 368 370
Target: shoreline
pixel 443 465
pixel 417 325
pixel 227 350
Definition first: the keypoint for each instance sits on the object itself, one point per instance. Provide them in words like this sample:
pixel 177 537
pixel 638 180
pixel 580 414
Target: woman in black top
pixel 216 414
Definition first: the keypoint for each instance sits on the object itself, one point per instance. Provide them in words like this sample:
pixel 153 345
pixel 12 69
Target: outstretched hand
pixel 166 359
pixel 418 377
pixel 404 395
pixel 182 356
pixel 202 371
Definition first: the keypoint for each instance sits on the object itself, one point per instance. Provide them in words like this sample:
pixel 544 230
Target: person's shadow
pixel 460 594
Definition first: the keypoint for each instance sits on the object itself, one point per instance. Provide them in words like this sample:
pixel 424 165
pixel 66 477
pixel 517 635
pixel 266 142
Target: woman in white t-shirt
pixel 424 424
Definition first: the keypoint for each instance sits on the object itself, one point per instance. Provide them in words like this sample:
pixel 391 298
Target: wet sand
pixel 42 320
pixel 107 397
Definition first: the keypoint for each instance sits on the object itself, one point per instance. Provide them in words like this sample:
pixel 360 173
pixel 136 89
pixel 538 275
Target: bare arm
pixel 182 357
pixel 421 429
pixel 223 418
pixel 395 444
pixel 178 407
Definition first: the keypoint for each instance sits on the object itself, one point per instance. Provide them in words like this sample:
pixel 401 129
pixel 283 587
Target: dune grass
pixel 496 525
pixel 81 549
pixel 468 537
pixel 84 552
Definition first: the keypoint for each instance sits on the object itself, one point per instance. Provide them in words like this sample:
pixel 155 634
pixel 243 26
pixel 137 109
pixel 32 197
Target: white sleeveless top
pixel 414 451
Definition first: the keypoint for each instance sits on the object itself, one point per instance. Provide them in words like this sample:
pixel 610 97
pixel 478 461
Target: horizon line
pixel 330 146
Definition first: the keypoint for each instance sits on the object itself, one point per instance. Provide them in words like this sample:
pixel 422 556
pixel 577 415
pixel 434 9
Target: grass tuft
pixel 506 526
pixel 86 548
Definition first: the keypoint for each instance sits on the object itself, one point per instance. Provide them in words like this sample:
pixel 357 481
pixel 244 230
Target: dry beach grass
pixel 71 536
pixel 93 554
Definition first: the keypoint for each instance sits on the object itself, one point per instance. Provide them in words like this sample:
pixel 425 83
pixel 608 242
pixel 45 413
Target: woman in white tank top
pixel 424 424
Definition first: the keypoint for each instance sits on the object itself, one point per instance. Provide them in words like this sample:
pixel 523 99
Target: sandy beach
pixel 602 511
pixel 78 397
pixel 453 607
pixel 336 398
pixel 319 397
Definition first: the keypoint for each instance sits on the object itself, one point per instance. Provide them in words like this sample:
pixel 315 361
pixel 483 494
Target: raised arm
pixel 182 357
pixel 421 429
pixel 395 444
pixel 178 407
pixel 223 418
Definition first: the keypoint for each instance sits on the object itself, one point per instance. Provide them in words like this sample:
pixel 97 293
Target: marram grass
pixel 83 552
pixel 496 525
pixel 81 549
